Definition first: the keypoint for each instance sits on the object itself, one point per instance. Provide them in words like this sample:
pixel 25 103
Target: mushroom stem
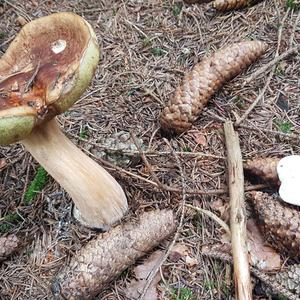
pixel 99 198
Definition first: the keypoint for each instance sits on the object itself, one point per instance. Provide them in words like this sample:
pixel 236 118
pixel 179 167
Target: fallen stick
pixel 104 258
pixel 243 289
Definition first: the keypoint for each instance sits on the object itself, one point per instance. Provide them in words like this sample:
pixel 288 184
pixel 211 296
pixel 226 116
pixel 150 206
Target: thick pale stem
pixel 99 198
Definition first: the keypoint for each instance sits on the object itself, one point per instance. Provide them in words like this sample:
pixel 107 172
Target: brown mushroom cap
pixel 44 71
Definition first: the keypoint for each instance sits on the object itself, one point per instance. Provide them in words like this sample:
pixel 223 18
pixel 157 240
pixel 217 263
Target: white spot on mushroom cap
pixel 288 170
pixel 58 46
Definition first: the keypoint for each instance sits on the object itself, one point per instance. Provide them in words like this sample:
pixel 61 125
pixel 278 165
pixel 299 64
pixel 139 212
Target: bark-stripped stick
pixel 204 80
pixel 242 279
pixel 102 259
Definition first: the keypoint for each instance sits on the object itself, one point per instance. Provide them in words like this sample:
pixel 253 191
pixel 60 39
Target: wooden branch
pixel 243 288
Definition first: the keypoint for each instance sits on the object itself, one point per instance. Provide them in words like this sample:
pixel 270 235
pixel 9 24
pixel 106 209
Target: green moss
pixel 2 34
pixel 285 127
pixel 147 42
pixel 183 294
pixel 36 186
pixel 13 217
pixel 157 51
pixel 177 9
pixel 5 227
pixel 83 135
pixel 292 4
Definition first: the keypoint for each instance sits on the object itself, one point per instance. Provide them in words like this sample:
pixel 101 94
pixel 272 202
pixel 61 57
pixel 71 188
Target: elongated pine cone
pixel 108 255
pixel 290 279
pixel 265 168
pixel 204 80
pixel 8 245
pixel 279 222
pixel 224 5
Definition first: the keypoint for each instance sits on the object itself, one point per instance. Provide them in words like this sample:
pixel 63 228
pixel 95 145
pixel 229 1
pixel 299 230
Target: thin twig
pixel 176 236
pixel 32 78
pixel 273 132
pixel 273 62
pixel 212 216
pixel 169 188
pixel 256 101
pixel 294 30
pixel 147 152
pixel 268 81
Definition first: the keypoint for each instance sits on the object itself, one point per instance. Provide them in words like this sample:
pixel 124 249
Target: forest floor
pixel 146 47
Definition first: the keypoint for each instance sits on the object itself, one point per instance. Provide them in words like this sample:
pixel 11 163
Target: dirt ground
pixel 146 46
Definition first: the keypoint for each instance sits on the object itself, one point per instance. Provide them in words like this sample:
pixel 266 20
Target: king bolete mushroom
pixel 43 72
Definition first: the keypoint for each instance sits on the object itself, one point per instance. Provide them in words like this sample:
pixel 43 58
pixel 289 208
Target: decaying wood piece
pixel 279 222
pixel 204 80
pixel 265 168
pixel 107 256
pixel 224 5
pixel 8 245
pixel 243 288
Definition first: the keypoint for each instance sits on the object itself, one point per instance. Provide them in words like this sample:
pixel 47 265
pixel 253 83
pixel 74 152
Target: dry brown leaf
pixel 181 251
pixel 135 288
pixel 222 208
pixel 190 261
pixel 263 257
pixel 199 138
pixel 178 251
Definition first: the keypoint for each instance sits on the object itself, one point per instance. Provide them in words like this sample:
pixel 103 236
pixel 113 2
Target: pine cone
pixel 290 279
pixel 279 222
pixel 8 245
pixel 204 80
pixel 224 5
pixel 107 256
pixel 265 168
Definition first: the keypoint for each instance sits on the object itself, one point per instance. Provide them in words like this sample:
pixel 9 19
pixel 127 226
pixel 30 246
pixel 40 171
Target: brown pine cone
pixel 204 80
pixel 265 168
pixel 290 279
pixel 224 5
pixel 108 255
pixel 279 222
pixel 8 245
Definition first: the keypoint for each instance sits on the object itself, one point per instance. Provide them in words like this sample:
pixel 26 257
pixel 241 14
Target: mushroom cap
pixel 288 170
pixel 44 71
